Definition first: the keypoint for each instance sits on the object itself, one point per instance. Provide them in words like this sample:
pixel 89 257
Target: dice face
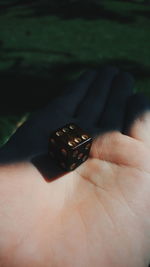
pixel 70 146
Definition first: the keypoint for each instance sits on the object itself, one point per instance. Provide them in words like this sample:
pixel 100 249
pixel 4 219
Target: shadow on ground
pixel 88 10
pixel 28 88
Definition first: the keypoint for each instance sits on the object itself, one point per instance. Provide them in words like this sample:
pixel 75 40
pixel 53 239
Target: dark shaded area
pixel 144 13
pixel 10 51
pixel 139 71
pixel 48 167
pixel 81 9
pixel 13 3
pixel 35 50
pixel 24 91
pixel 7 4
pixel 137 105
pixel 88 10
pixel 26 88
pixel 144 2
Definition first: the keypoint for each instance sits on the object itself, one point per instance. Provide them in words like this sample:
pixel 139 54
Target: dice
pixel 69 146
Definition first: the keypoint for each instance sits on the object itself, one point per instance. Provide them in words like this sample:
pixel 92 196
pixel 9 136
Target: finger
pixel 137 118
pixel 99 172
pixel 75 92
pixel 91 106
pixel 122 150
pixel 113 115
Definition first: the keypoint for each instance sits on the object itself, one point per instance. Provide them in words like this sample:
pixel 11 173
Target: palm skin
pixel 94 216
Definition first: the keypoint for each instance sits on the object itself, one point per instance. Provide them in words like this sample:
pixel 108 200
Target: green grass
pixel 38 42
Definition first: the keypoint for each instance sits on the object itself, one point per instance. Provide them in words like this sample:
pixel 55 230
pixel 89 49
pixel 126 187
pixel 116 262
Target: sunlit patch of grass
pixel 8 126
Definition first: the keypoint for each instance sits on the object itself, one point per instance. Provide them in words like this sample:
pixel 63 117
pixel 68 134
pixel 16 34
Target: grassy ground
pixel 44 44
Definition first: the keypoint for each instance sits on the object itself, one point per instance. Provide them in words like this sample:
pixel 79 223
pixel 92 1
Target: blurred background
pixel 44 44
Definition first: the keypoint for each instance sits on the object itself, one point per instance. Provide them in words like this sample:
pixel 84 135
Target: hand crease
pixel 89 180
pixel 100 203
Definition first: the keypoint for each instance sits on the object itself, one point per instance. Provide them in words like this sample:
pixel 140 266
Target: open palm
pixel 95 216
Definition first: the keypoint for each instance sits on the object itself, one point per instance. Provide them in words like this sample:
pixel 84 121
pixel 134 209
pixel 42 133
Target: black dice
pixel 70 146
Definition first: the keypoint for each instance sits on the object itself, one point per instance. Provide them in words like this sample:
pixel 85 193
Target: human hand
pixel 95 215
